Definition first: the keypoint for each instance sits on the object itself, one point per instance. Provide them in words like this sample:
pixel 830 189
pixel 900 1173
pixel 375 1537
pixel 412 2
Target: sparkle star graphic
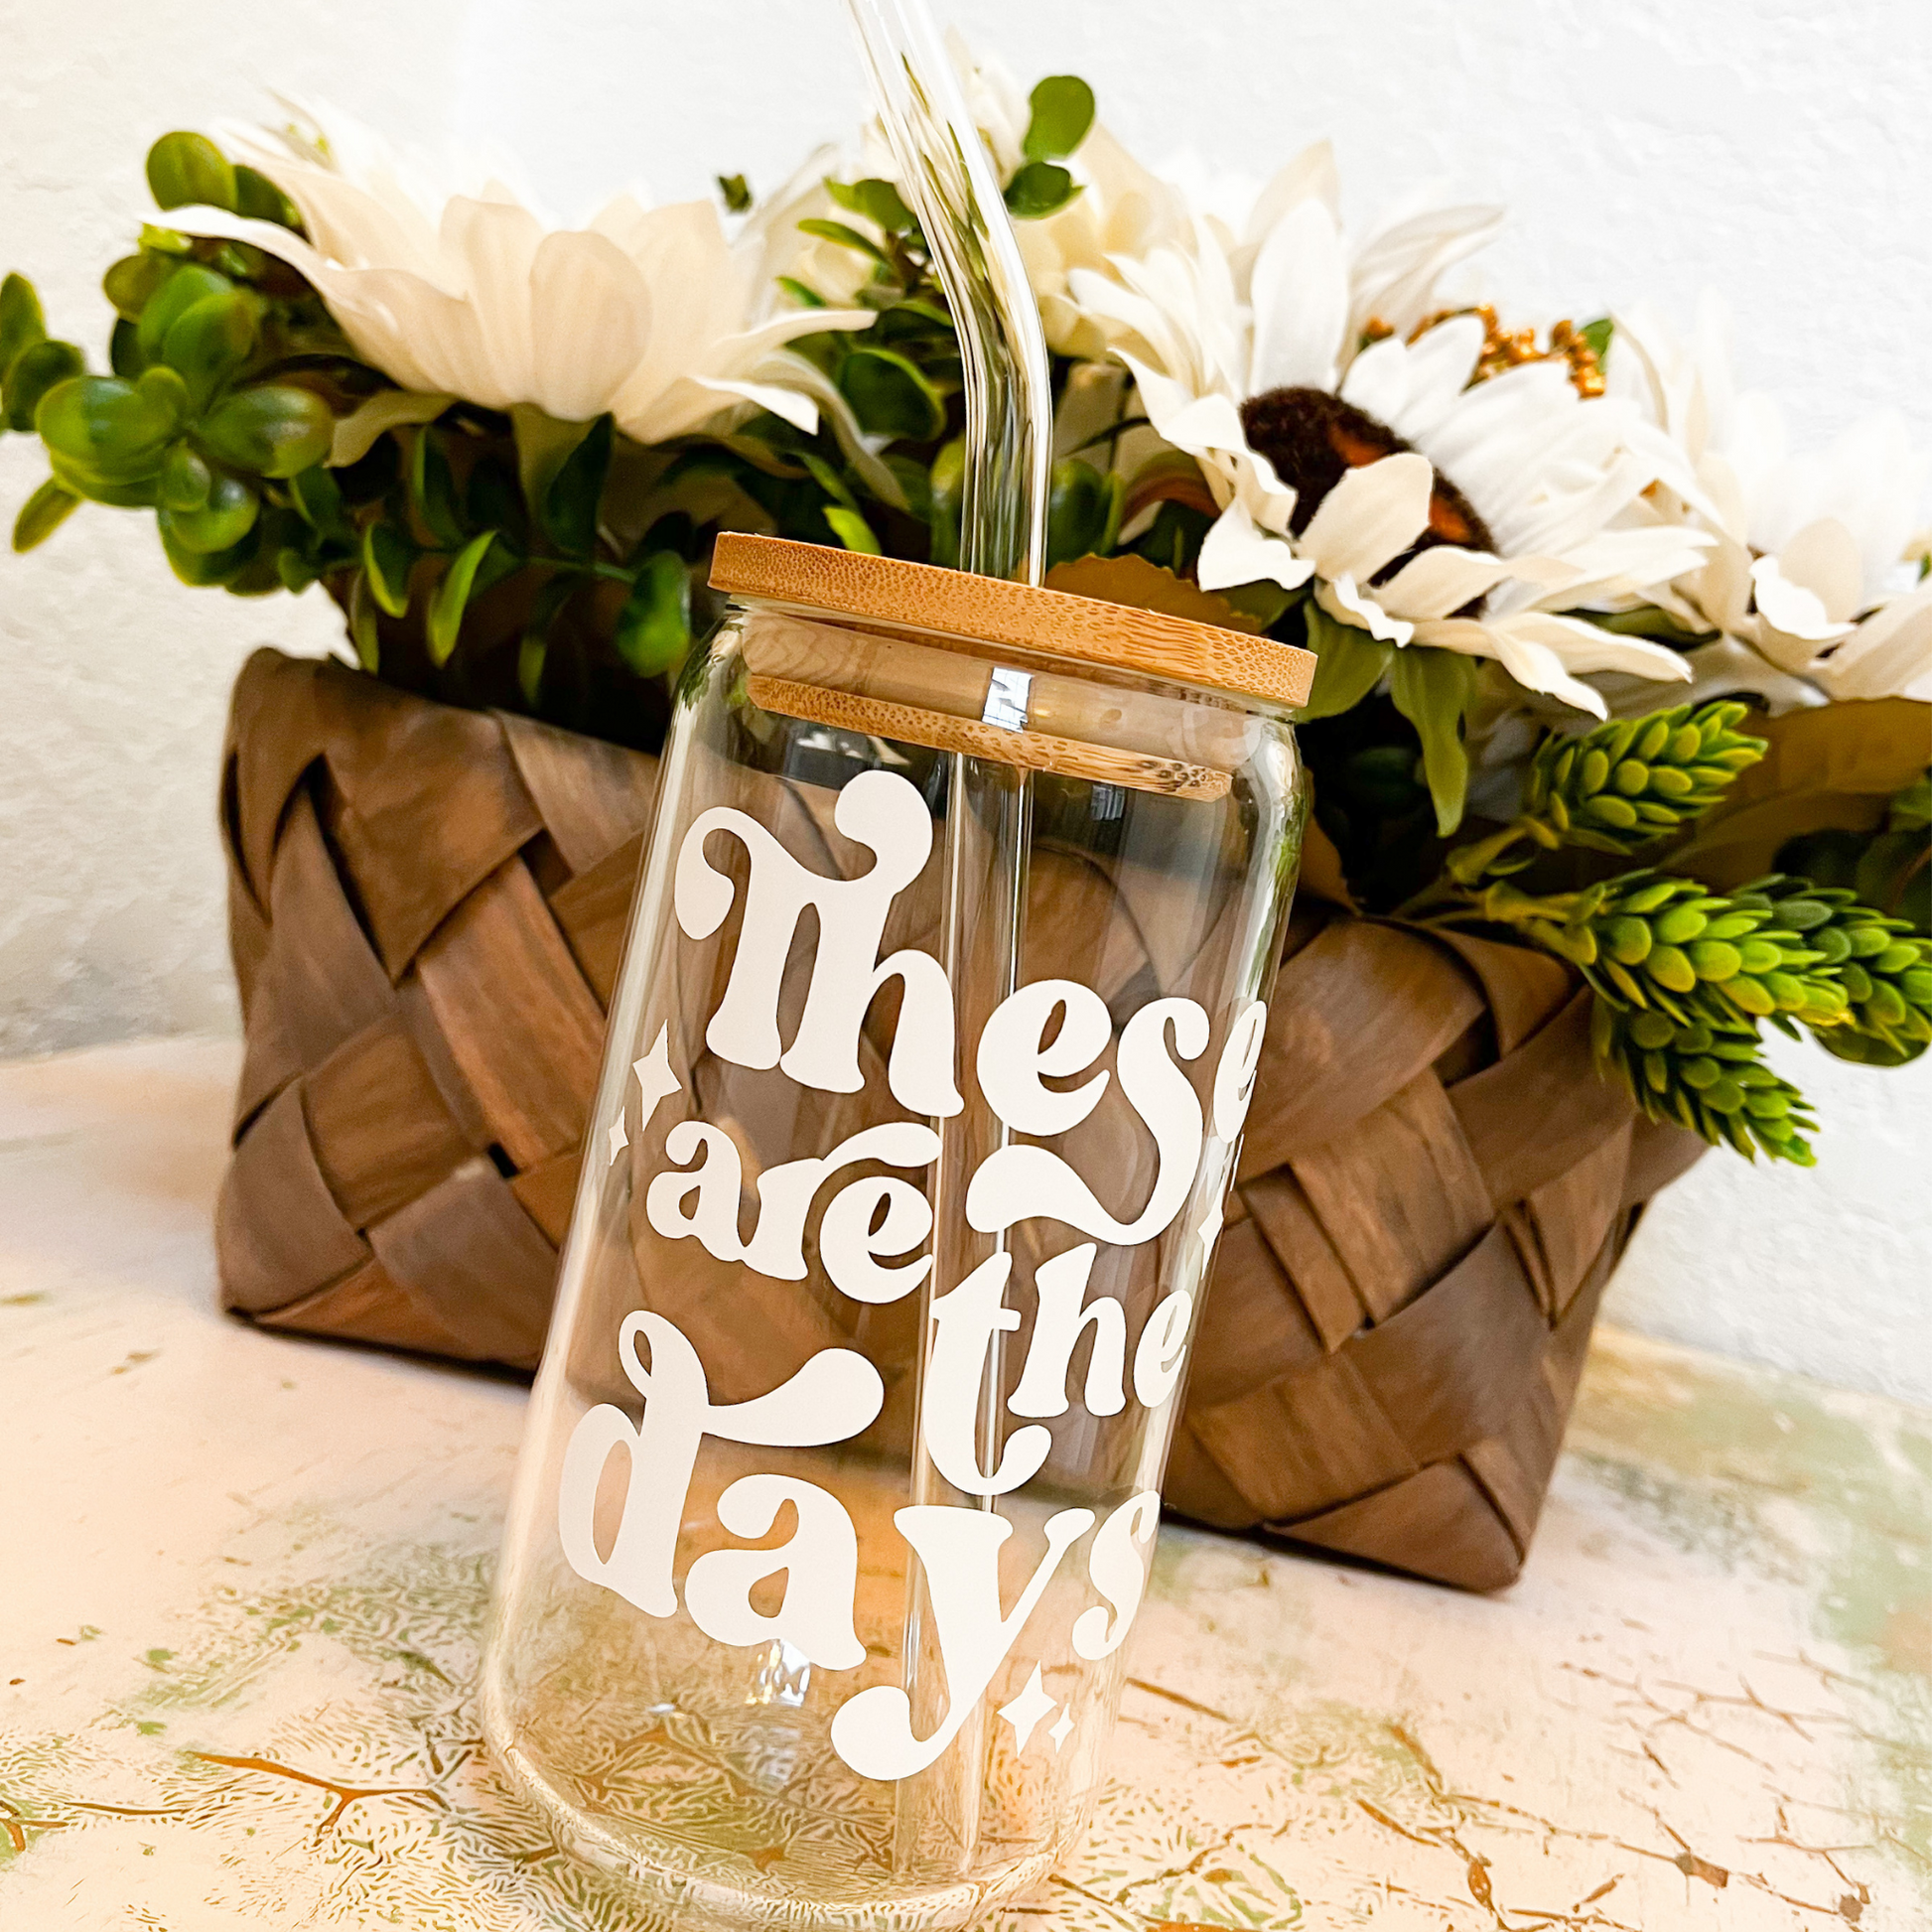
pixel 619 1140
pixel 1026 1710
pixel 1060 1731
pixel 655 1080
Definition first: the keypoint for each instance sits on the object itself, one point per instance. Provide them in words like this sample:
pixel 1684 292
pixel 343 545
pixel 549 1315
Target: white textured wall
pixel 1775 149
pixel 113 677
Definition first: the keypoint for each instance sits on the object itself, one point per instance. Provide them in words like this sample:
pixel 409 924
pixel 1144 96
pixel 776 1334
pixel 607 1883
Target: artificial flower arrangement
pixel 504 449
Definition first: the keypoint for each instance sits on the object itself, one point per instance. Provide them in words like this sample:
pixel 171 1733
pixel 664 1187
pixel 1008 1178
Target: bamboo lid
pixel 813 577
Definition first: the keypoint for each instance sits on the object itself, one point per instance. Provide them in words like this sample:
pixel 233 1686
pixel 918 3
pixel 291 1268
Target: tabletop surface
pixel 242 1578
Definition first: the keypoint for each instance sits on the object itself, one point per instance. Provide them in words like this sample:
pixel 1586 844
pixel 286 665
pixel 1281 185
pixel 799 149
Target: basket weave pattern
pixel 1434 1191
pixel 426 910
pixel 426 907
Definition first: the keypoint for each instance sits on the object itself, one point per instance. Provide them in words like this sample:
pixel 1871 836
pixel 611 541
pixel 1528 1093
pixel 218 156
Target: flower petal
pixel 1311 177
pixel 1888 655
pixel 1371 515
pixel 1301 302
pixel 1440 580
pixel 1238 551
pixel 1340 599
pixel 1533 664
pixel 798 410
pixel 1590 647
pixel 589 319
pixel 1823 558
pixel 495 245
pixel 1791 608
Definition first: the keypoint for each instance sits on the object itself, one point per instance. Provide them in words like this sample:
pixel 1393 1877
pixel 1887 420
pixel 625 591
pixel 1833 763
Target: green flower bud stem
pixel 1617 788
pixel 1882 971
pixel 1707 1076
pixel 1647 941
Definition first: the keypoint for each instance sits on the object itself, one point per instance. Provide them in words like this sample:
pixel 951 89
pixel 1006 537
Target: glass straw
pixel 948 182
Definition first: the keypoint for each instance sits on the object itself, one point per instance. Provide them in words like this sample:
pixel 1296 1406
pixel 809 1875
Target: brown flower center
pixel 1314 439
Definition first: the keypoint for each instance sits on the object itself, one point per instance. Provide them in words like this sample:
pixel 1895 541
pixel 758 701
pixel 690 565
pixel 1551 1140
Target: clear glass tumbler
pixel 926 1078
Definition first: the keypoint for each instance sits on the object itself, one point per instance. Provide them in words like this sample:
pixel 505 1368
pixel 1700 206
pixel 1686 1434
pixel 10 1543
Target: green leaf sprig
pixel 1706 1075
pixel 1618 788
pixel 1683 975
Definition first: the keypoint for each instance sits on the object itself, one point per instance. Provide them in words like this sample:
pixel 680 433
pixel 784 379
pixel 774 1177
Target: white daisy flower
pixel 1429 506
pixel 650 313
pixel 1816 557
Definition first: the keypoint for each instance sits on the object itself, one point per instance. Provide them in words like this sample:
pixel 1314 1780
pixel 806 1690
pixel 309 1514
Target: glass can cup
pixel 924 1082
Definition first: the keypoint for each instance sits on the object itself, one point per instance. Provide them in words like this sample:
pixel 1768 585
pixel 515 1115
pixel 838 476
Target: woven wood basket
pixel 426 909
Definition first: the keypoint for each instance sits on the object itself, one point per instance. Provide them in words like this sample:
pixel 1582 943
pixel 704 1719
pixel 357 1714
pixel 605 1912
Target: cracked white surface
pixel 237 1672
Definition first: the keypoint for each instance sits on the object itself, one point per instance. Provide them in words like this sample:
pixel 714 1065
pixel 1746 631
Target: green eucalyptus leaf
pixel 318 500
pixel 273 429
pixel 846 237
pixel 209 343
pixel 257 571
pixel 261 201
pixel 165 241
pixel 388 556
pixel 108 428
pixel 135 280
pixel 806 297
pixel 1039 189
pixel 1431 689
pixel 1350 666
pixel 1597 334
pixel 363 631
pixel 296 570
pixel 655 628
pixel 136 494
pixel 852 530
pixel 1083 511
pixel 653 632
pixel 432 489
pixel 124 355
pixel 1062 115
pixel 948 490
pixel 828 480
pixel 21 322
pixel 502 559
pixel 185 170
pixel 203 568
pixel 35 371
pixel 43 513
pixel 192 282
pixel 570 505
pixel 914 484
pixel 533 646
pixel 366 427
pixel 737 192
pixel 493 500
pixel 452 597
pixel 878 201
pixel 532 649
pixel 164 391
pixel 185 481
pixel 891 395
pixel 227 516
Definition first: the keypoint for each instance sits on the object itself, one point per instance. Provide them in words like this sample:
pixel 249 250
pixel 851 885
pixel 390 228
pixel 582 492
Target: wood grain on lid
pixel 952 603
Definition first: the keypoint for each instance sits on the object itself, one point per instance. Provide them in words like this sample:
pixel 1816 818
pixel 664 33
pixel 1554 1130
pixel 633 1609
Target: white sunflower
pixel 1347 439
pixel 650 313
pixel 1816 558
